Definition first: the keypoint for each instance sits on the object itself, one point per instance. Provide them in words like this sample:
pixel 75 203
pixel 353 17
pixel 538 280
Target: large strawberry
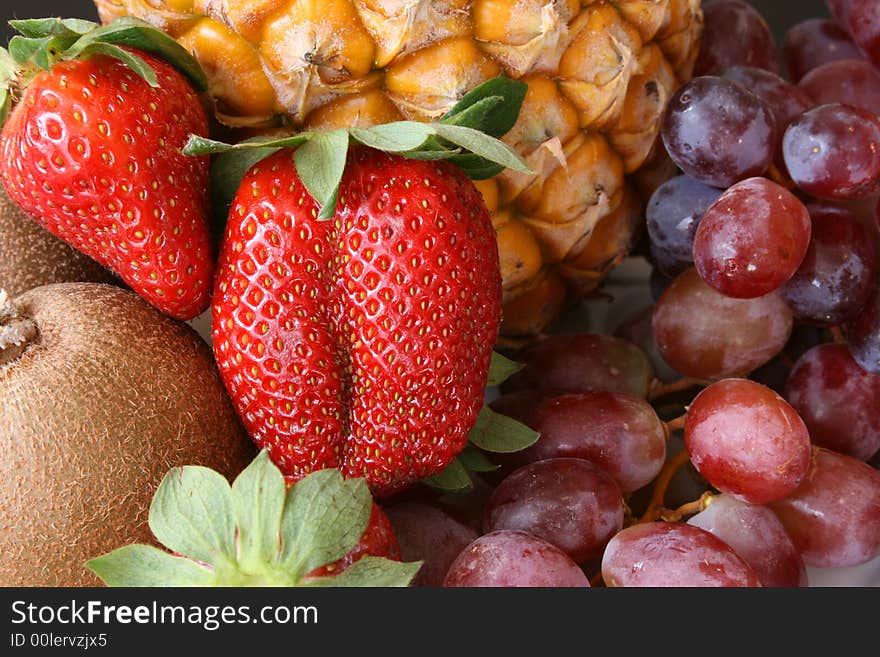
pixel 92 151
pixel 361 342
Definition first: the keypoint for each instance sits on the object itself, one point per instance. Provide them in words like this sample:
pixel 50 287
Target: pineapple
pixel 599 74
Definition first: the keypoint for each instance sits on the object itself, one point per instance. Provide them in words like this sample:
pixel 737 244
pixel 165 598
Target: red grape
pixel 704 334
pixel 747 441
pixel 719 132
pixel 735 34
pixel 520 404
pixel 620 433
pixel 838 401
pixel 673 554
pixel 863 20
pixel 429 534
pixel 833 152
pixel 582 362
pixel 513 559
pixel 836 276
pixel 840 10
pixel 815 42
pixel 752 239
pixel 834 517
pixel 784 99
pixel 756 534
pixel 637 329
pixel 673 214
pixel 571 503
pixel 847 81
pixel 863 334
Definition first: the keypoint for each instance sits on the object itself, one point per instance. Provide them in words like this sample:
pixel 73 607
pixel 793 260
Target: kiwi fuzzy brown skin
pixel 102 402
pixel 31 256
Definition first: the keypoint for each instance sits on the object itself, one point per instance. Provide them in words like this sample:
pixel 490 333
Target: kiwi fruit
pixel 31 256
pixel 100 395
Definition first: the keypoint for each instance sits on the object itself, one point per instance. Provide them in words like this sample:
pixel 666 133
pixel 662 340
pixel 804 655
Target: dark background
pixel 779 13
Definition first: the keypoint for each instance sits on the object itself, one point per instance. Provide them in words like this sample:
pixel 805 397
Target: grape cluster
pixel 767 304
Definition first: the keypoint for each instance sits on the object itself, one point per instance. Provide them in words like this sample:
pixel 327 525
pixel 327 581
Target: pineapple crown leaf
pixel 43 42
pixel 253 533
pixel 492 432
pixel 468 136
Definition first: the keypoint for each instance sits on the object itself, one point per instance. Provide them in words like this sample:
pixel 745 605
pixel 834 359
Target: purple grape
pixel 719 132
pixel 836 276
pixel 620 433
pixel 837 400
pixel 784 99
pixel 847 81
pixel 863 334
pixel 429 534
pixel 571 503
pixel 673 554
pixel 755 533
pixel 734 34
pixel 833 152
pixel 863 21
pixel 513 559
pixel 815 42
pixel 673 214
pixel 833 518
pixel 582 362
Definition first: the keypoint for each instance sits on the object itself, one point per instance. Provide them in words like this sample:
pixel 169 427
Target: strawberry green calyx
pixel 7 75
pixel 254 533
pixel 43 42
pixel 468 136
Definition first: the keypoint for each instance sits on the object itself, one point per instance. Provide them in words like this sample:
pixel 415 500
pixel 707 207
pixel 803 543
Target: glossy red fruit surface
pixel 362 342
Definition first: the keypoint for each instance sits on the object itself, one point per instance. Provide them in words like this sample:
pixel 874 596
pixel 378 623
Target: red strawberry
pixel 362 342
pixel 378 540
pixel 93 153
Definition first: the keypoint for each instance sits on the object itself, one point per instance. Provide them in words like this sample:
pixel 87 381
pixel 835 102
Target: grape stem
pixel 661 389
pixel 689 509
pixel 837 335
pixel 655 506
pixel 675 425
pixel 774 174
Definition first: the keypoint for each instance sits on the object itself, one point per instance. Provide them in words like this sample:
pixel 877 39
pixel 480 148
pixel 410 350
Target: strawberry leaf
pixel 137 64
pixel 252 534
pixel 371 571
pixel 454 479
pixel 7 76
pixel 476 168
pixel 258 502
pixel 191 514
pixel 396 137
pixel 498 433
pixel 501 368
pixel 135 33
pixel 37 28
pixel 25 50
pixel 476 115
pixel 227 171
pixel 324 517
pixel 197 145
pixel 145 565
pixel 320 163
pixel 479 143
pixel 503 116
pixel 475 461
